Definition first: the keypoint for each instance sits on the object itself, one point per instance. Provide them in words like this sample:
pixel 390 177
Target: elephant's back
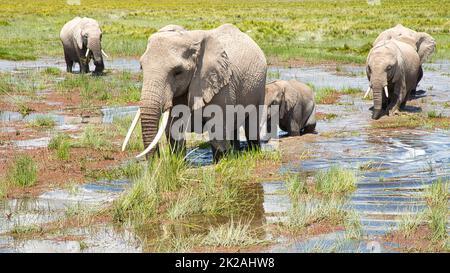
pixel 248 62
pixel 66 30
pixel 240 48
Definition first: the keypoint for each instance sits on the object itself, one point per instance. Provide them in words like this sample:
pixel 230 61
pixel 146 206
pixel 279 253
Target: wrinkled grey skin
pixel 396 65
pixel 77 36
pixel 424 44
pixel 296 105
pixel 222 66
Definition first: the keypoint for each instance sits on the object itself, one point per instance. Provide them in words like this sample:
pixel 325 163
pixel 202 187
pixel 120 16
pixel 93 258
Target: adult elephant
pixel 424 44
pixel 392 69
pixel 296 106
pixel 221 67
pixel 81 40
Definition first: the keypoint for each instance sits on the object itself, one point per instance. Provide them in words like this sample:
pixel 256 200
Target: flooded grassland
pixel 358 185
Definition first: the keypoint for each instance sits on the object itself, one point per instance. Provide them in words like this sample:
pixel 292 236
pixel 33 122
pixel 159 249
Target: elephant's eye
pixel 389 67
pixel 178 71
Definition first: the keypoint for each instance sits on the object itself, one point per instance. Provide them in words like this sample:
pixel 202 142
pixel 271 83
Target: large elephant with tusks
pixel 198 68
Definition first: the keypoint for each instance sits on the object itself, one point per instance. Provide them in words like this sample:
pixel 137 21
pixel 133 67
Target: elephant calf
pixel 297 108
pixel 81 40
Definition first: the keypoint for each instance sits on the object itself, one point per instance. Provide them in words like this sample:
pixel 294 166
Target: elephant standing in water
pixel 297 108
pixel 424 44
pixel 392 69
pixel 221 67
pixel 81 39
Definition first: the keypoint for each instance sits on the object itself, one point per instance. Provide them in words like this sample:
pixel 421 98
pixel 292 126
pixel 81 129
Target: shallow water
pixel 132 65
pixel 403 163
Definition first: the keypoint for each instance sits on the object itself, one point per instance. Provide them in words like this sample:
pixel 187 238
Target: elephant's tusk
pixel 87 52
pixel 104 53
pixel 130 131
pixel 162 128
pixel 367 92
pixel 386 91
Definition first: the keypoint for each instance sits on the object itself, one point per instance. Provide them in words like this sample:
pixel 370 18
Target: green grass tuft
pixel 231 234
pixel 43 121
pixel 335 181
pixel 23 171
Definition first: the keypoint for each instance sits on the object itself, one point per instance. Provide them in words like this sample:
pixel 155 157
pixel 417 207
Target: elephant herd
pixel 225 67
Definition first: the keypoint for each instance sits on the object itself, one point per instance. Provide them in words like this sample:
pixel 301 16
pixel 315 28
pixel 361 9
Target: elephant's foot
pixel 309 129
pixel 219 149
pixel 394 112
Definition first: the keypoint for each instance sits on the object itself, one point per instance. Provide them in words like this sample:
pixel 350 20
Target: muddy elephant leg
pixel 69 63
pixel 177 142
pixel 294 128
pixel 84 66
pixel 419 77
pixel 253 138
pixel 310 125
pixel 396 101
pixel 219 148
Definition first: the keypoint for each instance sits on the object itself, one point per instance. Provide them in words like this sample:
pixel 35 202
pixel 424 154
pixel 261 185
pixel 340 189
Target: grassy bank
pixel 311 30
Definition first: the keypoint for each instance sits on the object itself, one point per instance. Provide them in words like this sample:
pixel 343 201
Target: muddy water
pixel 110 63
pixel 402 163
pixel 393 166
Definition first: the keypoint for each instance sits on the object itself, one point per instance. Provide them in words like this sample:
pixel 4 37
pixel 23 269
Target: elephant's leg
pixel 310 125
pixel 177 142
pixel 253 138
pixel 219 148
pixel 69 62
pixel 419 77
pixel 84 66
pixel 294 128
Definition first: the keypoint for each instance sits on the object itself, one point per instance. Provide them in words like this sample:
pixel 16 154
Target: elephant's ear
pixel 78 35
pixel 425 46
pixel 212 73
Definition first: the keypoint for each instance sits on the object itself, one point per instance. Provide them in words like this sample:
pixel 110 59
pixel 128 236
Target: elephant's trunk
pixel 378 91
pixel 95 47
pixel 153 104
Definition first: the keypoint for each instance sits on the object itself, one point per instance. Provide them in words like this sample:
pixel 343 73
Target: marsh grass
pixel 61 144
pixel 23 230
pixel 23 171
pixel 411 121
pixel 434 114
pixel 115 88
pixel 351 91
pixel 24 109
pixel 315 210
pixel 437 196
pixel 4 187
pixel 24 83
pixel 410 222
pixel 352 225
pixel 176 190
pixel 131 170
pixel 96 137
pixel 178 243
pixel 43 121
pixel 296 185
pixel 232 234
pixel 54 71
pixel 326 95
pixel 335 181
